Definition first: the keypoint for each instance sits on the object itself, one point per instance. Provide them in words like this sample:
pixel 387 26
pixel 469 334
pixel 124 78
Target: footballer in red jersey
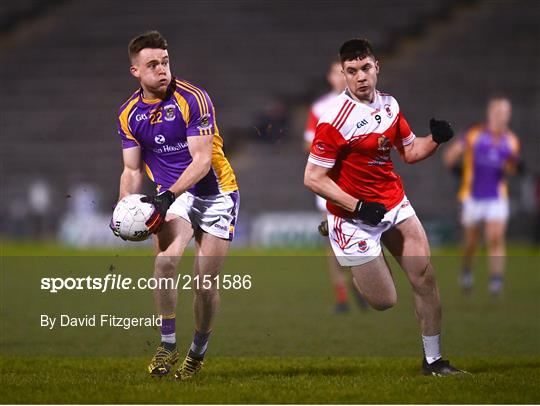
pixel 350 166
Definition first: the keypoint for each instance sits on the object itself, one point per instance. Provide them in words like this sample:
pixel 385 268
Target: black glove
pixel 161 203
pixel 370 212
pixel 323 228
pixel 441 130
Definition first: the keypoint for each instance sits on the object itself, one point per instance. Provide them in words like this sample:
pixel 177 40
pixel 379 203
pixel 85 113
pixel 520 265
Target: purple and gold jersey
pixel 485 159
pixel 161 127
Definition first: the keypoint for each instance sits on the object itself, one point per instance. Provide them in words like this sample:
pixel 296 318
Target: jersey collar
pixel 170 90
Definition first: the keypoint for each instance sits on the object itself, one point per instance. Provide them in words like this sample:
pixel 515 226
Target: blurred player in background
pixel 350 166
pixel 168 128
pixel 336 80
pixel 490 151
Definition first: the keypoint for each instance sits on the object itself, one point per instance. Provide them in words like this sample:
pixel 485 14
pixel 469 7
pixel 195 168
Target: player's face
pixel 151 67
pixel 335 78
pixel 499 112
pixel 361 77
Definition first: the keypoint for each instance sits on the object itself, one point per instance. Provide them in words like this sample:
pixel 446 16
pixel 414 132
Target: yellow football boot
pixel 189 367
pixel 163 361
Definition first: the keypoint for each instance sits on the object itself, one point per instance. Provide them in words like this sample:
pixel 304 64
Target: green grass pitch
pixel 277 342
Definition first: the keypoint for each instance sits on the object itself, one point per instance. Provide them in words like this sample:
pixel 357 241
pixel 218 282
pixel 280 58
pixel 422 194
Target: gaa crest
pixel 388 110
pixel 384 143
pixel 169 112
pixel 204 123
pixel 363 246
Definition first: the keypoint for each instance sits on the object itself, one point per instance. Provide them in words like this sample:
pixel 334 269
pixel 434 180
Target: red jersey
pixel 354 139
pixel 317 109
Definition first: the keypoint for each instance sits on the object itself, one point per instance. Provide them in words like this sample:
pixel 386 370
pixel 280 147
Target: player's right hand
pixel 370 212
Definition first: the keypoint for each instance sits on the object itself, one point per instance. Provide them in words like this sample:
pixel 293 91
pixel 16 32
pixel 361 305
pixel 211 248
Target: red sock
pixel 340 291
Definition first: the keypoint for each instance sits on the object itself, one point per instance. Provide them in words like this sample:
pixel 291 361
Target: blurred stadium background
pixel 64 73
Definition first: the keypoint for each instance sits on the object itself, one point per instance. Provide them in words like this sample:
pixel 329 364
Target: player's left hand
pixel 161 203
pixel 441 130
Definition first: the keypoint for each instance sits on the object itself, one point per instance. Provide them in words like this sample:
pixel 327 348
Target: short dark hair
pixel 150 39
pixel 356 48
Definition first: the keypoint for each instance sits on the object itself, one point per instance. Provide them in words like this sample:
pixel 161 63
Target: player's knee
pixel 494 241
pixel 166 264
pixel 381 306
pixel 205 286
pixel 385 303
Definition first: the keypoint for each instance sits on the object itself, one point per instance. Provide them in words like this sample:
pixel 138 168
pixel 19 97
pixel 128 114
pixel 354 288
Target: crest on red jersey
pixel 383 143
pixel 388 110
pixel 319 146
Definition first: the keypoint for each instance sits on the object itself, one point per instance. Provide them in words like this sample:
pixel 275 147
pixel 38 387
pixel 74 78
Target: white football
pixel 130 216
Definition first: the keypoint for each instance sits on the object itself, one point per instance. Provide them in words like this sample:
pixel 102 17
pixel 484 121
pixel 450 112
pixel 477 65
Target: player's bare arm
pixel 418 150
pixel 317 180
pixel 131 178
pixel 514 165
pixel 200 148
pixel 423 147
pixel 132 175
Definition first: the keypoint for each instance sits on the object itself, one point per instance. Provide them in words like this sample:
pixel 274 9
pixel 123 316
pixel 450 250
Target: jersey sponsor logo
pixel 204 123
pixel 169 112
pixel 171 148
pixel 362 123
pixel 159 139
pixel 388 110
pixel 141 117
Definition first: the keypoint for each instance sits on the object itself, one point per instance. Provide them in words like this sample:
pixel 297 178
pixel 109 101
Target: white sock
pixel 432 348
pixel 199 350
pixel 168 338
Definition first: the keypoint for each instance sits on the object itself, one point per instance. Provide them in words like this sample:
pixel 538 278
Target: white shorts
pixel 474 211
pixel 355 242
pixel 321 203
pixel 214 214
